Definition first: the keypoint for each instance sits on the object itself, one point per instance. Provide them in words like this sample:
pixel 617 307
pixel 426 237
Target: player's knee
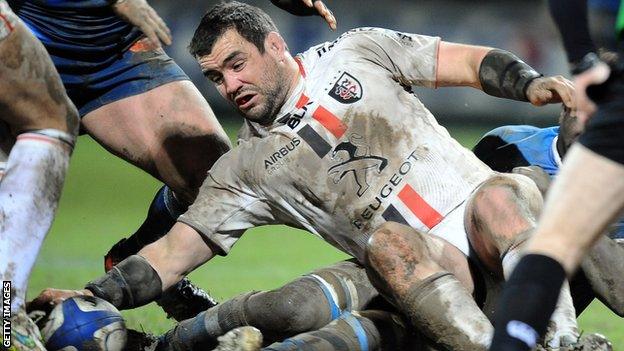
pixel 71 118
pixel 503 208
pixel 380 243
pixel 506 192
pixel 392 240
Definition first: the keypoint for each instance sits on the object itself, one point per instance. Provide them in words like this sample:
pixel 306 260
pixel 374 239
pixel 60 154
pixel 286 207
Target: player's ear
pixel 275 44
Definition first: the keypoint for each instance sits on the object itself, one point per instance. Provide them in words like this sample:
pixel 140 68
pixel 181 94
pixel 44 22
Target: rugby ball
pixel 84 323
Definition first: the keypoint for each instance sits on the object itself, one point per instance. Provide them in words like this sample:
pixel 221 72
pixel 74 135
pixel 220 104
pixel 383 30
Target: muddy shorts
pixel 136 71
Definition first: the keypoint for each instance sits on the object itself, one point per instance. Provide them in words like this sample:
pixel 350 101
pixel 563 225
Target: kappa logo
pixel 359 162
pixel 347 89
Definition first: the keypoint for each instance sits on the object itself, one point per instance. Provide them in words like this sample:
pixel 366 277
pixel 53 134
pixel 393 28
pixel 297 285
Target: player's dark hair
pixel 250 22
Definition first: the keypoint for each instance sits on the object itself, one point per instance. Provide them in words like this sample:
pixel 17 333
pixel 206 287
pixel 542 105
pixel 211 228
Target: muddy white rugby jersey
pixel 353 147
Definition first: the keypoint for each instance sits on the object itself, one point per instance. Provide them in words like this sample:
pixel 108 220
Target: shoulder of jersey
pixel 318 51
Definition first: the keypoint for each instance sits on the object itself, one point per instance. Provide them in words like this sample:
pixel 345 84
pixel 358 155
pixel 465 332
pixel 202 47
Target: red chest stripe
pixel 332 123
pixel 419 207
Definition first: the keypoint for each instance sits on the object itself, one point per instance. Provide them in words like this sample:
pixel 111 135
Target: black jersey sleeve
pixel 571 19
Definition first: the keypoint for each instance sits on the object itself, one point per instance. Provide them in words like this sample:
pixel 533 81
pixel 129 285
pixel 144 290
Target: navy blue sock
pixel 161 216
pixel 527 303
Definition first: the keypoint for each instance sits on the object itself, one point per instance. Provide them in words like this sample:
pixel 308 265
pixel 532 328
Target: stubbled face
pixel 255 83
pixel 570 128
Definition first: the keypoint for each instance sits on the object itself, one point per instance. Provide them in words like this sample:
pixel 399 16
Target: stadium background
pixel 105 199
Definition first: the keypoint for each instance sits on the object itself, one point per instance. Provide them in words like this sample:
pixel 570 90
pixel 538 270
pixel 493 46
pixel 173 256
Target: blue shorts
pixel 133 73
pixel 100 57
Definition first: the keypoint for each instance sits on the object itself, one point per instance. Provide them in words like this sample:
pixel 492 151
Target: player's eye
pixel 238 66
pixel 217 79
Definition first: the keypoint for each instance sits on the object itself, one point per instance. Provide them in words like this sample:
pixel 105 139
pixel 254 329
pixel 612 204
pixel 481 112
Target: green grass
pixel 105 199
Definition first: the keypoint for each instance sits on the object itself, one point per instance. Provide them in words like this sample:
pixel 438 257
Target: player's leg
pixel 430 282
pixel 358 331
pixel 33 102
pixel 169 131
pixel 499 218
pixel 308 303
pixel 604 269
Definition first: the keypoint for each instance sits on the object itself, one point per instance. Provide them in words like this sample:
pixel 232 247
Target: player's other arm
pixel 499 73
pixel 413 59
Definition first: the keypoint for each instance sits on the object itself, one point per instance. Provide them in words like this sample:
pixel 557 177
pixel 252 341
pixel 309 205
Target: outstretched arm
pixel 140 279
pixel 177 254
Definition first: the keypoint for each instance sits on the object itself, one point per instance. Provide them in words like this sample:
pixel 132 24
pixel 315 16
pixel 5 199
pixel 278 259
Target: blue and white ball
pixel 85 323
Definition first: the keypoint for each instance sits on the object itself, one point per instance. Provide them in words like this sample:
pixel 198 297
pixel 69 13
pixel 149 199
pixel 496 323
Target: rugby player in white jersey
pixel 37 133
pixel 340 146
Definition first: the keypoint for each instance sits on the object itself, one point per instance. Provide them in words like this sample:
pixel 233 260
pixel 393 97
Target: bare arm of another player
pixel 469 65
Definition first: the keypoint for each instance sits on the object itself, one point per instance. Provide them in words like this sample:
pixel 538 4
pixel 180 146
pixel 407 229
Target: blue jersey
pixel 513 146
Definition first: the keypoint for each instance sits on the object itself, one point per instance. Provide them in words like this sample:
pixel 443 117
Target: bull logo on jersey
pixel 347 89
pixel 358 163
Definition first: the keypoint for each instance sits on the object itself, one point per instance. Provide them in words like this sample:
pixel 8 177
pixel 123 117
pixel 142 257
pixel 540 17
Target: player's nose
pixel 232 85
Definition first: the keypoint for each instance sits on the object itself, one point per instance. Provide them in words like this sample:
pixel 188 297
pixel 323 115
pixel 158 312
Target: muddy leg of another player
pixel 500 217
pixel 358 331
pixel 308 303
pixel 429 281
pixel 604 268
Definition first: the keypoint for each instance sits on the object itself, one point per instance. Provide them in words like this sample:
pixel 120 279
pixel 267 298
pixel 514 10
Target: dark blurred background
pixel 523 27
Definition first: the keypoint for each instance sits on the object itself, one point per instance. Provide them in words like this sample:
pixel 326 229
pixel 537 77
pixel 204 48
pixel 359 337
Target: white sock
pixel 29 195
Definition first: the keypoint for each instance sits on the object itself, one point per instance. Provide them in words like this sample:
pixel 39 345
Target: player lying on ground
pixel 342 148
pixel 37 132
pixel 537 153
pixel 311 302
pixel 135 101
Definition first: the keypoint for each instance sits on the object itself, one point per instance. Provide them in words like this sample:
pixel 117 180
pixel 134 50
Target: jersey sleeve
pixel 226 206
pixel 411 59
pixel 571 19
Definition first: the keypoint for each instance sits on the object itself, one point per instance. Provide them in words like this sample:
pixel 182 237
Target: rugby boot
pixel 25 335
pixel 139 341
pixel 184 300
pixel 240 339
pixel 181 301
